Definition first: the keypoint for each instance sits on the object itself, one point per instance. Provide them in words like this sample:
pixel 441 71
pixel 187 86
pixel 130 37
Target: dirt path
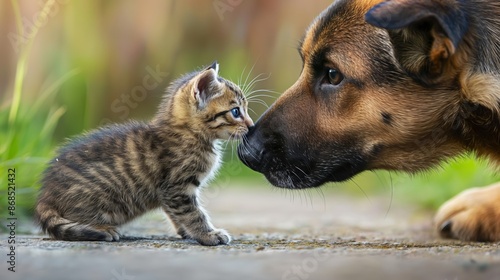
pixel 275 237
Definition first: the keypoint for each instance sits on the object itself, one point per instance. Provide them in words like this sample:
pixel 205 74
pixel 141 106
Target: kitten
pixel 110 176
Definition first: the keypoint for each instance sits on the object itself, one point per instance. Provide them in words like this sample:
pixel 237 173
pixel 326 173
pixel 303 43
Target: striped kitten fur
pixel 112 175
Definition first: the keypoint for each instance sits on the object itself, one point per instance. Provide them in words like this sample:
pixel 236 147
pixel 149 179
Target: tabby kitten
pixel 110 176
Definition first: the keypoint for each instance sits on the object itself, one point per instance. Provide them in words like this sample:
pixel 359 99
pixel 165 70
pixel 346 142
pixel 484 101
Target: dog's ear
pixel 425 33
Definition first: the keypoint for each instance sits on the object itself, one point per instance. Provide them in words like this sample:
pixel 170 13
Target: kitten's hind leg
pixel 188 215
pixel 110 232
pixel 81 232
pixel 73 231
pixel 64 229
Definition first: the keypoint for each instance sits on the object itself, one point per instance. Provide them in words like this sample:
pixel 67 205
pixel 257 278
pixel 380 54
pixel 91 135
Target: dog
pixel 395 85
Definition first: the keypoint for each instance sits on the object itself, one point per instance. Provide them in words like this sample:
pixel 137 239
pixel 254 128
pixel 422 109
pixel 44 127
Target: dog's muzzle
pixel 251 151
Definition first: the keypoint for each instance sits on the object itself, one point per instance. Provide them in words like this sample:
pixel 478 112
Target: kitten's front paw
pixel 183 233
pixel 213 238
pixel 472 215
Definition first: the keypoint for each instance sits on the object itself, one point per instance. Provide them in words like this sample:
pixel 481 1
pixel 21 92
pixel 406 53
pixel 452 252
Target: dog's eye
pixel 335 77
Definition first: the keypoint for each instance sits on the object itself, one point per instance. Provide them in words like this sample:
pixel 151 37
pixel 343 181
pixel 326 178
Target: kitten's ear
pixel 425 31
pixel 205 85
pixel 214 66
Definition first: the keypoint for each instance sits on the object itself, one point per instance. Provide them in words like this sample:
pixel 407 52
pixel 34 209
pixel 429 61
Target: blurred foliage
pixel 70 66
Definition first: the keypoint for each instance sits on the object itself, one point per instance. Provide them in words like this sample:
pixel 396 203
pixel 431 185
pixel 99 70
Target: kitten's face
pixel 218 106
pixel 226 115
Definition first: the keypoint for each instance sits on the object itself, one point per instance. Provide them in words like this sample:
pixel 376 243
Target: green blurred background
pixel 70 66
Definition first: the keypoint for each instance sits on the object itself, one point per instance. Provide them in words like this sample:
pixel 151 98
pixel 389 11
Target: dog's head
pixel 378 90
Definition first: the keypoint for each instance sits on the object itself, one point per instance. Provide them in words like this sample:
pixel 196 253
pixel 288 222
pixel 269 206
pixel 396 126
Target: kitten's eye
pixel 334 77
pixel 236 112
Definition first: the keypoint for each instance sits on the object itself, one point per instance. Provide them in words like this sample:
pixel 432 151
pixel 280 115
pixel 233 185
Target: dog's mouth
pixel 346 171
pixel 301 172
pixel 293 177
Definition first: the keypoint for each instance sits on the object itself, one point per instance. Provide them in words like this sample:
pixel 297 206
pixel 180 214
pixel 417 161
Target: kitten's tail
pixel 60 228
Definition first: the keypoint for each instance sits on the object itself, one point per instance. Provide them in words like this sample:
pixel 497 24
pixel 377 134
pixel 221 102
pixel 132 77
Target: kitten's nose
pixel 249 123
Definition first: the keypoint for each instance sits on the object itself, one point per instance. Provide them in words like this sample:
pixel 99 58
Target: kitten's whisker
pixel 224 148
pixel 226 143
pixel 262 90
pixel 248 87
pixel 234 144
pixel 255 100
pixel 232 151
pixel 257 79
pixel 259 101
pixel 240 78
pixel 248 76
pixel 254 82
pixel 252 110
pixel 259 96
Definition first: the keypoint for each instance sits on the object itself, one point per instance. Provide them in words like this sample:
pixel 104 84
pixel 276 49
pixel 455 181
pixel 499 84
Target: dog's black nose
pixel 251 150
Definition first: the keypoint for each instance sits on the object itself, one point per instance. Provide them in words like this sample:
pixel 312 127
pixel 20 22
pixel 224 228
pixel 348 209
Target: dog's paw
pixel 473 215
pixel 213 238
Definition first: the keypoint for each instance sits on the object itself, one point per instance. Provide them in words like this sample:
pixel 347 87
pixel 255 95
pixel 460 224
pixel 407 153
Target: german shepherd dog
pixel 395 85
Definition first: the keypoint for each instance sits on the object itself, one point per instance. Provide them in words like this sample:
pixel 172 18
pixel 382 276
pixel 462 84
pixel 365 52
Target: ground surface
pixel 277 235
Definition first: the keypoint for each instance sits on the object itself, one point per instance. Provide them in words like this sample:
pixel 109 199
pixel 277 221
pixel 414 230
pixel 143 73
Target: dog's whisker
pixel 322 195
pixel 392 196
pixel 246 149
pixel 311 197
pixel 362 190
pixel 391 189
pixel 303 172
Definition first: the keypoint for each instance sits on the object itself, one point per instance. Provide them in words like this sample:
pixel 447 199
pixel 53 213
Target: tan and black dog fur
pixel 396 85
